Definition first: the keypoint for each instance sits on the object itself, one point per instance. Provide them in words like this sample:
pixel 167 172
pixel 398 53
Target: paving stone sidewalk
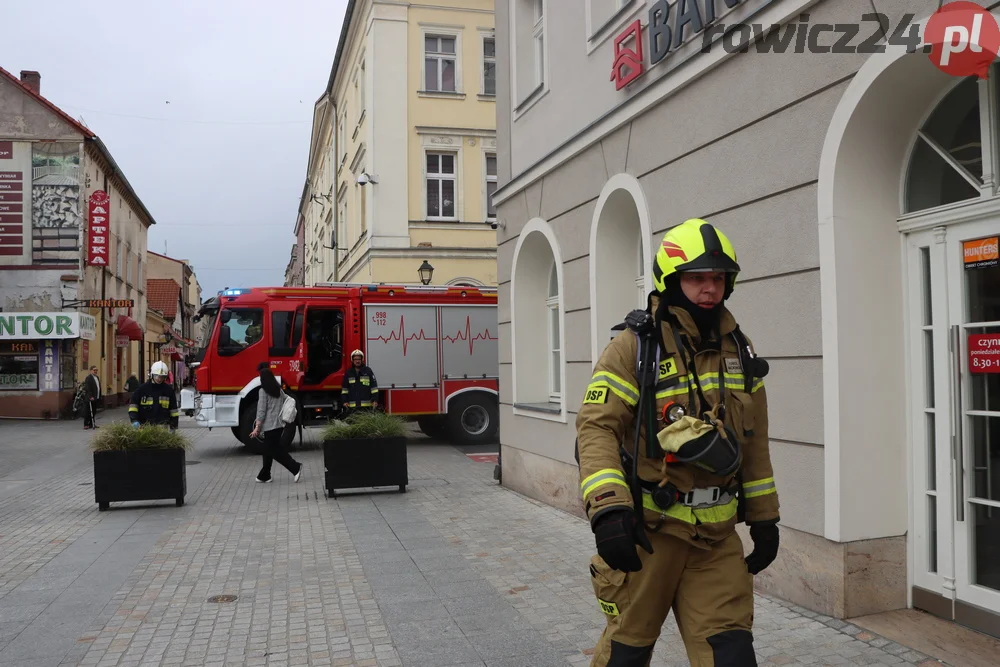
pixel 456 571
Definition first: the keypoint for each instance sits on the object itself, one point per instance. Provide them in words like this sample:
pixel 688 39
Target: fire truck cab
pixel 434 352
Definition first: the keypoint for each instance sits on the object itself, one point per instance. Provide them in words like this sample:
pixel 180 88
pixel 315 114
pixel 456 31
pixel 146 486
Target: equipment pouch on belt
pixel 706 444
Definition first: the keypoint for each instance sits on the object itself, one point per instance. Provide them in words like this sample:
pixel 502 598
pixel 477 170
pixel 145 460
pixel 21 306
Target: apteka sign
pixel 670 25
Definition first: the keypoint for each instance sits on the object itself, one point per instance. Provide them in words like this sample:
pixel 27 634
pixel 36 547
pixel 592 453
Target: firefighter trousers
pixel 710 592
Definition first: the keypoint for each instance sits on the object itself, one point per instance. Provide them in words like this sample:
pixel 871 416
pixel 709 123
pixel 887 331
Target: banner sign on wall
pixel 49 367
pixel 100 206
pixel 44 326
pixel 11 205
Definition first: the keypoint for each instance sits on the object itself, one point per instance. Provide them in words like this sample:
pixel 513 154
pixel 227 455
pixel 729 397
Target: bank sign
pixel 47 326
pixel 670 25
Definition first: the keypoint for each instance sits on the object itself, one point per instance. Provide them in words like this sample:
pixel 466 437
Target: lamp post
pixel 426 271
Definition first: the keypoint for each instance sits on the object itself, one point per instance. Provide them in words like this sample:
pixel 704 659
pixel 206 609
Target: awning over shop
pixel 129 327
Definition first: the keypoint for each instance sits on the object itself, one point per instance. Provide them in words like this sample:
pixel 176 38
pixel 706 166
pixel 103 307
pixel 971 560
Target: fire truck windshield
pixel 239 328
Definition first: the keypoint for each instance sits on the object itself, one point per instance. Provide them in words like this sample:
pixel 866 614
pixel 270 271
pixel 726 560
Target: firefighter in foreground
pixel 706 467
pixel 155 402
pixel 360 388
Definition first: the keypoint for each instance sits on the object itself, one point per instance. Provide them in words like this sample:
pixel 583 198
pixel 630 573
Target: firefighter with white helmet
pixel 360 388
pixel 155 402
pixel 664 509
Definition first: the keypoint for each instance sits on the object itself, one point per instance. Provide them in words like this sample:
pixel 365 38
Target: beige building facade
pixel 402 162
pixel 861 193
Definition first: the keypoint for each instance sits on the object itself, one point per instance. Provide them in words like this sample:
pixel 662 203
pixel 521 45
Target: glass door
pixel 930 406
pixel 974 326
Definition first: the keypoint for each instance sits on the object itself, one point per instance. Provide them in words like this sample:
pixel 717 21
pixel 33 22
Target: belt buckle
pixel 706 496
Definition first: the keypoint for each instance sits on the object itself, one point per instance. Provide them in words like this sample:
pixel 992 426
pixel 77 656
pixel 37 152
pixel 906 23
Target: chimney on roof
pixel 32 80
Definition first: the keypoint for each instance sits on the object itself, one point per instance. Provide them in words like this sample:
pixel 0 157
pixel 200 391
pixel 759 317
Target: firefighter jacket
pixel 607 417
pixel 154 403
pixel 360 388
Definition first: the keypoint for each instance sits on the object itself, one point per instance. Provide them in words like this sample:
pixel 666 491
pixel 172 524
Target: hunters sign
pixel 44 326
pixel 670 25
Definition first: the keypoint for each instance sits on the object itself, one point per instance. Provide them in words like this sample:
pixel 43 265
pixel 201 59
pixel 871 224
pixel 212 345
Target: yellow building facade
pixel 402 163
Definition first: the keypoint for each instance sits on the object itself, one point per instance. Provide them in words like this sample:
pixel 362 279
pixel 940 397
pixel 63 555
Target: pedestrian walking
pixel 682 370
pixel 92 387
pixel 270 427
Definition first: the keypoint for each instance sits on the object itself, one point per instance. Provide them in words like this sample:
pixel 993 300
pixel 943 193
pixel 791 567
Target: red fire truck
pixel 434 352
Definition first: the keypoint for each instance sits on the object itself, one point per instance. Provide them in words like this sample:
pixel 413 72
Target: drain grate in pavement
pixel 222 598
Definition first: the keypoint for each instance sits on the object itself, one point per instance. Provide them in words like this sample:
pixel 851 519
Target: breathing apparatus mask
pixel 706 443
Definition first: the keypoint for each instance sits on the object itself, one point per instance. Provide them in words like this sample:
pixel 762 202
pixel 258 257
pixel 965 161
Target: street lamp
pixel 426 271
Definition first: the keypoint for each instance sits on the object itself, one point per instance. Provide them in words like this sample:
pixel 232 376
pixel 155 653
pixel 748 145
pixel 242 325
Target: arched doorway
pixel 909 216
pixel 619 258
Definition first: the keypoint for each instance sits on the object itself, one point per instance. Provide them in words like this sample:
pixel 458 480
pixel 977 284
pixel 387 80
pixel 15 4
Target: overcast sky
pixel 224 190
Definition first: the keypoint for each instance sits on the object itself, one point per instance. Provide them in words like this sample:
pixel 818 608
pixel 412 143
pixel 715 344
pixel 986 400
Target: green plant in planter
pixel 122 436
pixel 365 425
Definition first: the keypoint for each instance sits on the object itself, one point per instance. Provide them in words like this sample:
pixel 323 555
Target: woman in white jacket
pixel 269 402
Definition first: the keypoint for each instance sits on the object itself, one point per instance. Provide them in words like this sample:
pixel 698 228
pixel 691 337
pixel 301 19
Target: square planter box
pixel 139 474
pixel 365 462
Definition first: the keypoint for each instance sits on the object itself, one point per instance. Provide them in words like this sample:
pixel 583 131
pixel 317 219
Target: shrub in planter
pixel 145 463
pixel 367 449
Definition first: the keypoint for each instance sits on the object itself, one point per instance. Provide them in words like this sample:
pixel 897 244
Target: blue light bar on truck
pixel 233 292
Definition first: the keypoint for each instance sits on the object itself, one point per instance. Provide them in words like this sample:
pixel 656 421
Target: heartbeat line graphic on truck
pixel 467 335
pixel 400 334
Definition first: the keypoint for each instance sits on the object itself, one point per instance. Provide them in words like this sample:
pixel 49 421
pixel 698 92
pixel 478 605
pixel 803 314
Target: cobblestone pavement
pixel 456 571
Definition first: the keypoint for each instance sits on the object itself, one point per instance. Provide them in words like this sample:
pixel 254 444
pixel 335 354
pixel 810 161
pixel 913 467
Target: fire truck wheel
pixel 474 419
pixel 433 426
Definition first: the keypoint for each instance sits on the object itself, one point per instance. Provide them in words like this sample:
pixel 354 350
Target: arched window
pixel 947 161
pixel 619 251
pixel 537 327
pixel 552 305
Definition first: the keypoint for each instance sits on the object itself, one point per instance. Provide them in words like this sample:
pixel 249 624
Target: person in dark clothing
pixel 270 425
pixel 92 385
pixel 155 402
pixel 360 389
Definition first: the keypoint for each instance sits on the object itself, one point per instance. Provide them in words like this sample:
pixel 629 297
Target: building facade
pixel 177 277
pixel 860 192
pixel 72 246
pixel 402 163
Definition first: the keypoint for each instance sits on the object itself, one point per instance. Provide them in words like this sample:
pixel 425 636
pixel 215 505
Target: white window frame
pixel 361 91
pixel 342 138
pixel 484 37
pixel 128 264
pixel 441 177
pixel 487 179
pixel 640 280
pixel 431 32
pixel 538 41
pixel 140 285
pixel 118 257
pixel 555 352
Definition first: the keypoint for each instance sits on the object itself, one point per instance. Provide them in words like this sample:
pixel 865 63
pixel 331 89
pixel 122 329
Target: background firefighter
pixel 155 402
pixel 360 389
pixel 711 443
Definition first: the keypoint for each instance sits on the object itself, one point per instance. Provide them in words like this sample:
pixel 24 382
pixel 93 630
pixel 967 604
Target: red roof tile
pixel 163 294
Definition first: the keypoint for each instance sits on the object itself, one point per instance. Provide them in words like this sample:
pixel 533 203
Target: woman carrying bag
pixel 269 426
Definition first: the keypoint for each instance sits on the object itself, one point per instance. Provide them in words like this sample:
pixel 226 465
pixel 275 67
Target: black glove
pixel 617 533
pixel 765 546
